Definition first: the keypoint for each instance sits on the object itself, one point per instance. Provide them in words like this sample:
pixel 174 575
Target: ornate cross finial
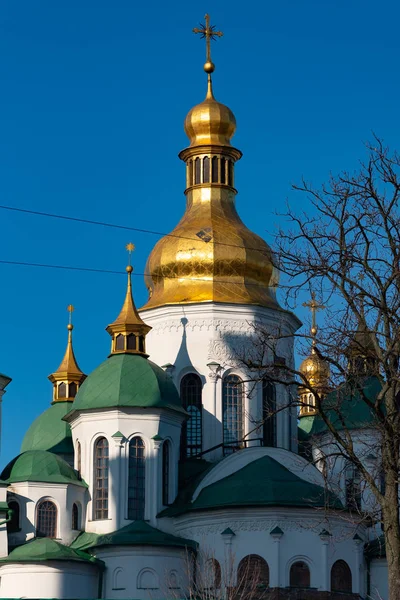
pixel 314 306
pixel 208 32
pixel 130 248
pixel 70 309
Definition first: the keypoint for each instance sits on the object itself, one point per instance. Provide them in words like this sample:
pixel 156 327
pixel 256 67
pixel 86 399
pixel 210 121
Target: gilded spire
pixel 68 377
pixel 128 331
pixel 314 368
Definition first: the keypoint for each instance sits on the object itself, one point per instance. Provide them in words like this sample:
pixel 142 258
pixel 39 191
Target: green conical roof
pixel 50 432
pixel 40 466
pixel 128 380
pixel 42 549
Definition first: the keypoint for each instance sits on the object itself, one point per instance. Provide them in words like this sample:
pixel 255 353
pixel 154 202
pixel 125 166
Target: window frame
pixel 232 403
pixel 136 504
pixel 101 494
pixel 51 514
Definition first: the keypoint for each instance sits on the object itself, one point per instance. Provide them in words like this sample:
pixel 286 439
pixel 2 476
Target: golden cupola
pixel 128 331
pixel 314 368
pixel 68 377
pixel 210 256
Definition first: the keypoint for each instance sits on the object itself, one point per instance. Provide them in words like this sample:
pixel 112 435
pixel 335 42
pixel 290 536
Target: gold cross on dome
pixel 314 306
pixel 209 32
pixel 130 248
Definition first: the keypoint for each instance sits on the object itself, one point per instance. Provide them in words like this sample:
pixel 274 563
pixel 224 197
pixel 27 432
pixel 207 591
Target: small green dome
pixel 50 432
pixel 40 466
pixel 128 380
pixel 43 549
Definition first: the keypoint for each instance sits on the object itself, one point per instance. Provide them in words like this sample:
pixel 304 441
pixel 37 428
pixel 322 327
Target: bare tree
pixel 346 249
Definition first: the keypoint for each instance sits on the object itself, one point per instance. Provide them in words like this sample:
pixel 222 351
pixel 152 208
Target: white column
pixel 153 490
pixel 325 579
pixel 357 566
pixel 274 574
pixel 214 437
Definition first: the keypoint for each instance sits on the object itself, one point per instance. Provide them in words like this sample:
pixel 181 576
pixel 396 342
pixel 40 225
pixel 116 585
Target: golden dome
pixel 210 122
pixel 315 370
pixel 210 256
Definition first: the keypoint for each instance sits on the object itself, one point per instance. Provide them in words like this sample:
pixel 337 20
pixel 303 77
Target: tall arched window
pixel 214 169
pixel 165 472
pixel 13 526
pixel 136 479
pixel 232 413
pixel 62 390
pixel 101 479
pixel 213 574
pixel 197 170
pixel 78 457
pixel 75 517
pixel 300 575
pixel 269 413
pixel 223 170
pixel 190 173
pixel 46 519
pixel 341 580
pixel 353 487
pixel 206 170
pixel 191 438
pixel 73 388
pixel 230 173
pixel 253 571
pixel 120 342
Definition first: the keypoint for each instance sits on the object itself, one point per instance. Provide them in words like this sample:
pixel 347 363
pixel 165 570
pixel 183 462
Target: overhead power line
pixel 203 238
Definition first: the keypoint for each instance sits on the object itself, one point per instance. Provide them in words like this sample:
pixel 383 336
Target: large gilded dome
pixel 210 256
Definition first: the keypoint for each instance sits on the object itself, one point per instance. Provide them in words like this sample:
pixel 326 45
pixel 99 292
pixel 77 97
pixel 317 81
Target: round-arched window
pixel 46 519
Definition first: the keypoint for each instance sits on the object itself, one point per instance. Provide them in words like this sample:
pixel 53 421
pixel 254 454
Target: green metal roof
pixel 40 466
pixel 128 380
pixel 50 432
pixel 345 408
pixel 41 549
pixel 263 482
pixel 138 533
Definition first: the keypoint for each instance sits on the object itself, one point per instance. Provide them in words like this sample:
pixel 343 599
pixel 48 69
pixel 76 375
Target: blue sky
pixel 93 98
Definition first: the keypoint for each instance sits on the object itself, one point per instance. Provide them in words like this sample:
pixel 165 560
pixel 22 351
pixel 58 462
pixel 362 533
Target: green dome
pixel 42 549
pixel 40 466
pixel 50 432
pixel 128 380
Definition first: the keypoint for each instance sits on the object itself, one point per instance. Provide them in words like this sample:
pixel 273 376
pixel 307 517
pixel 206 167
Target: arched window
pixel 101 479
pixel 269 413
pixel 136 479
pixel 73 388
pixel 78 457
pixel 46 519
pixel 75 517
pixel 214 169
pixel 62 390
pixel 165 472
pixel 353 487
pixel 253 571
pixel 141 343
pixel 230 173
pixel 232 413
pixel 223 170
pixel 206 170
pixel 131 342
pixel 299 575
pixel 213 574
pixel 341 580
pixel 13 525
pixel 120 342
pixel 191 438
pixel 197 172
pixel 190 173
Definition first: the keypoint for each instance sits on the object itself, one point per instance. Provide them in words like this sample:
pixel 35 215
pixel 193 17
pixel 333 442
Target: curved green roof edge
pixel 45 549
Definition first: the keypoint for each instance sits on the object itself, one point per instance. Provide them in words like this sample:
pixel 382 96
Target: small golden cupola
pixel 128 331
pixel 68 377
pixel 314 368
pixel 210 256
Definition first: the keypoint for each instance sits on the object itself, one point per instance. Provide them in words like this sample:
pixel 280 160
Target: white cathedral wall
pixel 379 588
pixel 301 541
pixel 38 580
pixel 144 572
pixel 145 423
pixel 29 494
pixel 191 336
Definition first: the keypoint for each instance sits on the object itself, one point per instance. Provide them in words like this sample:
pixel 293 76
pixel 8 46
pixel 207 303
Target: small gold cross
pixel 209 32
pixel 70 309
pixel 314 306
